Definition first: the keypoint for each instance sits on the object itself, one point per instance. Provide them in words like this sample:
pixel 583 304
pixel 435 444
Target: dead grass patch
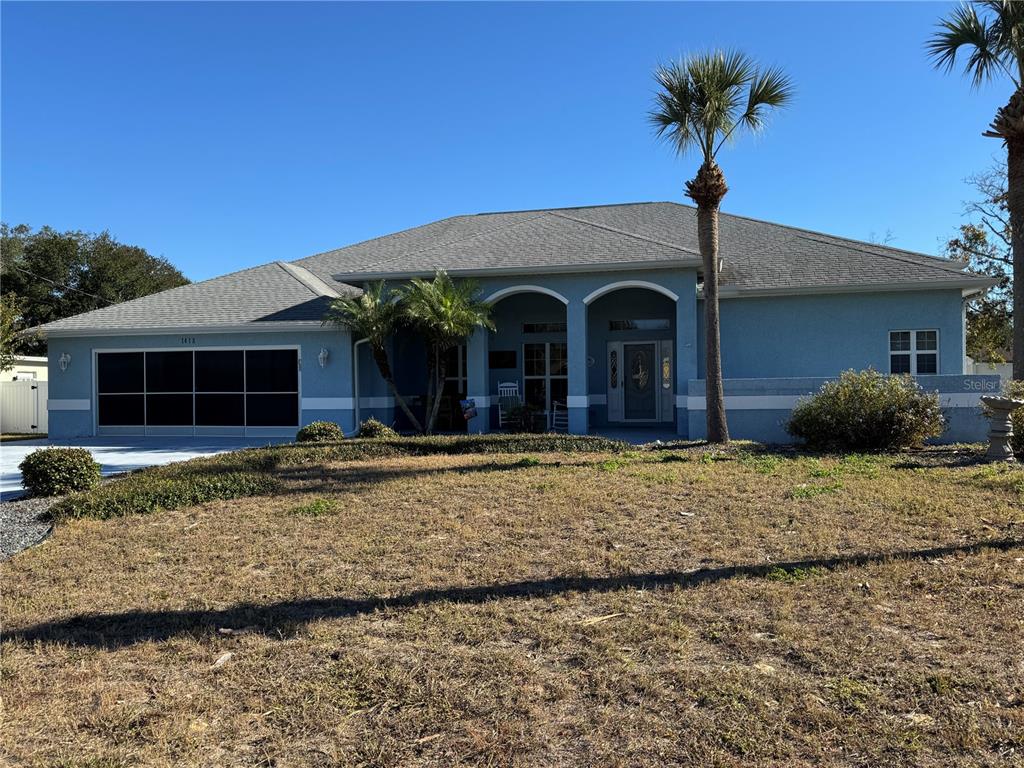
pixel 577 609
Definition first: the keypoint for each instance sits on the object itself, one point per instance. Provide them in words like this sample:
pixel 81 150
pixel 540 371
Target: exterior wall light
pixel 64 361
pixel 322 357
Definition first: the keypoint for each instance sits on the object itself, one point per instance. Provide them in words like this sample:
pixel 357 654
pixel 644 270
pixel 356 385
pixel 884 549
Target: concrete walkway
pixel 121 454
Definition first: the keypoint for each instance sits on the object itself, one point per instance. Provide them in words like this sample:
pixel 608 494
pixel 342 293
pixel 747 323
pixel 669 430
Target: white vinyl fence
pixel 23 406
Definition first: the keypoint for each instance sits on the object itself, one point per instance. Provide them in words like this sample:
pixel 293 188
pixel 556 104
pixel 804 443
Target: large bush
pixel 868 411
pixel 371 428
pixel 320 432
pixel 56 471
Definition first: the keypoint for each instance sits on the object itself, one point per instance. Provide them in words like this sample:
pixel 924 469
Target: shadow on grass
pixel 116 630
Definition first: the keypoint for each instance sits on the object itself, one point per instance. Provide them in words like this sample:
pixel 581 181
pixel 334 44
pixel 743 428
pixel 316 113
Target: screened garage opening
pixel 202 391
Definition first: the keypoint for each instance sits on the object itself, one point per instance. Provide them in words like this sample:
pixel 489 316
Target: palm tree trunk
pixel 440 369
pixel 707 235
pixel 380 357
pixel 1015 202
pixel 707 189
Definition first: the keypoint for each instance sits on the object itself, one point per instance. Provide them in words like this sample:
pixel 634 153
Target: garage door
pixel 227 391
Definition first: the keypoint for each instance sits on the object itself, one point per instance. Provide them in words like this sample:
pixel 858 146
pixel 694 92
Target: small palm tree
pixel 375 315
pixel 445 312
pixel 995 44
pixel 701 102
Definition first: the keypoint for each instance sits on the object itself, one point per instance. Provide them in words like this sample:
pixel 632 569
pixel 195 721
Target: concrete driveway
pixel 121 454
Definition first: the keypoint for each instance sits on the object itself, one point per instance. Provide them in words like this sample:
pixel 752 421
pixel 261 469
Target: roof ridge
pixel 819 233
pixel 682 248
pixel 317 286
pixel 563 208
pixel 406 254
pixel 941 263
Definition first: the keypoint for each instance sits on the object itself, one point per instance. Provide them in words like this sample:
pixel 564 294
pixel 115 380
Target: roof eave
pixel 193 330
pixel 967 285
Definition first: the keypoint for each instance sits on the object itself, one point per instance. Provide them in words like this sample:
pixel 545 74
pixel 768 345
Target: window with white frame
pixel 914 352
pixel 545 373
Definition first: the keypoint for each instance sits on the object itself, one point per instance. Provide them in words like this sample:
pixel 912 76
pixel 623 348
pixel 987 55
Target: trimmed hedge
pixel 320 432
pixel 150 490
pixel 250 471
pixel 868 411
pixel 56 471
pixel 372 428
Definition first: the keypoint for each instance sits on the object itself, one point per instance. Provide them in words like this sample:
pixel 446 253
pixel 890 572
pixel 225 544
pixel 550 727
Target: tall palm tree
pixel 995 44
pixel 374 315
pixel 701 102
pixel 446 312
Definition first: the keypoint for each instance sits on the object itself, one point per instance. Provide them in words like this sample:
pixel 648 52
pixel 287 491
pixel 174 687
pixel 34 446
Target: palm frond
pixel 965 28
pixel 770 89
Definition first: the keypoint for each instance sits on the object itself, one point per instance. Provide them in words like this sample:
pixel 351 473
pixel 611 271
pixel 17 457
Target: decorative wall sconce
pixel 64 361
pixel 322 357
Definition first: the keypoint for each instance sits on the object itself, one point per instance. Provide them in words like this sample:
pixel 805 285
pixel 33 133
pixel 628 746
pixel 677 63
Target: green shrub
pixel 371 428
pixel 525 418
pixel 56 471
pixel 320 432
pixel 868 411
pixel 162 488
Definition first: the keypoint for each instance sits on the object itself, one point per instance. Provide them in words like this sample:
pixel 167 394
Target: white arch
pixel 629 284
pixel 514 289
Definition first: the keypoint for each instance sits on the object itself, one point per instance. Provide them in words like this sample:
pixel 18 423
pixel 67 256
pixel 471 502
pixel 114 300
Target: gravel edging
pixel 24 522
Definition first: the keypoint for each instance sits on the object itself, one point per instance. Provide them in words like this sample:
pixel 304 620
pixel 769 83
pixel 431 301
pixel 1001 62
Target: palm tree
pixel 995 41
pixel 701 101
pixel 446 312
pixel 374 315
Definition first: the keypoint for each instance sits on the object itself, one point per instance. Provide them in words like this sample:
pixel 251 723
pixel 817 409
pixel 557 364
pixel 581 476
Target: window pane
pixel 927 364
pixel 899 363
pixel 220 410
pixel 544 327
pixel 559 391
pixel 559 359
pixel 533 360
pixel 220 371
pixel 501 359
pixel 536 393
pixel 272 410
pixel 119 372
pixel 927 341
pixel 121 410
pixel 451 362
pixel 271 370
pixel 169 372
pixel 651 324
pixel 168 410
pixel 899 341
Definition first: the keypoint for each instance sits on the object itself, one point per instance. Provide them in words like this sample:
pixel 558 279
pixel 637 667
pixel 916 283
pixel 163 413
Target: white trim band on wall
pixel 328 403
pixel 376 402
pixel 482 401
pixel 577 401
pixel 788 402
pixel 68 405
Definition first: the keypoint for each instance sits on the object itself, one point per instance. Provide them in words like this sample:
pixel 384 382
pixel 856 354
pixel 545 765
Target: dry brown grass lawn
pixel 587 610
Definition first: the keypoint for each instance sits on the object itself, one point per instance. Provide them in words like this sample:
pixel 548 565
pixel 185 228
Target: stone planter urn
pixel 1001 428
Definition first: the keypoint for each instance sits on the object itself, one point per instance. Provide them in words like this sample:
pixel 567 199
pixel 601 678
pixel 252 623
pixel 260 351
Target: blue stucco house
pixel 597 308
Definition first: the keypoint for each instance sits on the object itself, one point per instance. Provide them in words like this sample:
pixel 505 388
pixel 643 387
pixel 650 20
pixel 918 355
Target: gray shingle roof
pixel 273 293
pixel 758 257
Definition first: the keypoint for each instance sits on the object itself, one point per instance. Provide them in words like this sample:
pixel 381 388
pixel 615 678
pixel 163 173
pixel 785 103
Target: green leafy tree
pixel 59 274
pixel 446 312
pixel 375 316
pixel 984 245
pixel 702 101
pixel 991 32
pixel 10 324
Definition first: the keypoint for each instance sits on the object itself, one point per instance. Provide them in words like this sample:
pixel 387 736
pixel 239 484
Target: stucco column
pixel 686 349
pixel 477 380
pixel 576 336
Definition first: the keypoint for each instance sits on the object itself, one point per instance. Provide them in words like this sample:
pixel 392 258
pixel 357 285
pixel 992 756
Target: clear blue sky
pixel 227 135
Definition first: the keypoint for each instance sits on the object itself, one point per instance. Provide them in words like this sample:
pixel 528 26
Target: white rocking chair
pixel 508 400
pixel 559 417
